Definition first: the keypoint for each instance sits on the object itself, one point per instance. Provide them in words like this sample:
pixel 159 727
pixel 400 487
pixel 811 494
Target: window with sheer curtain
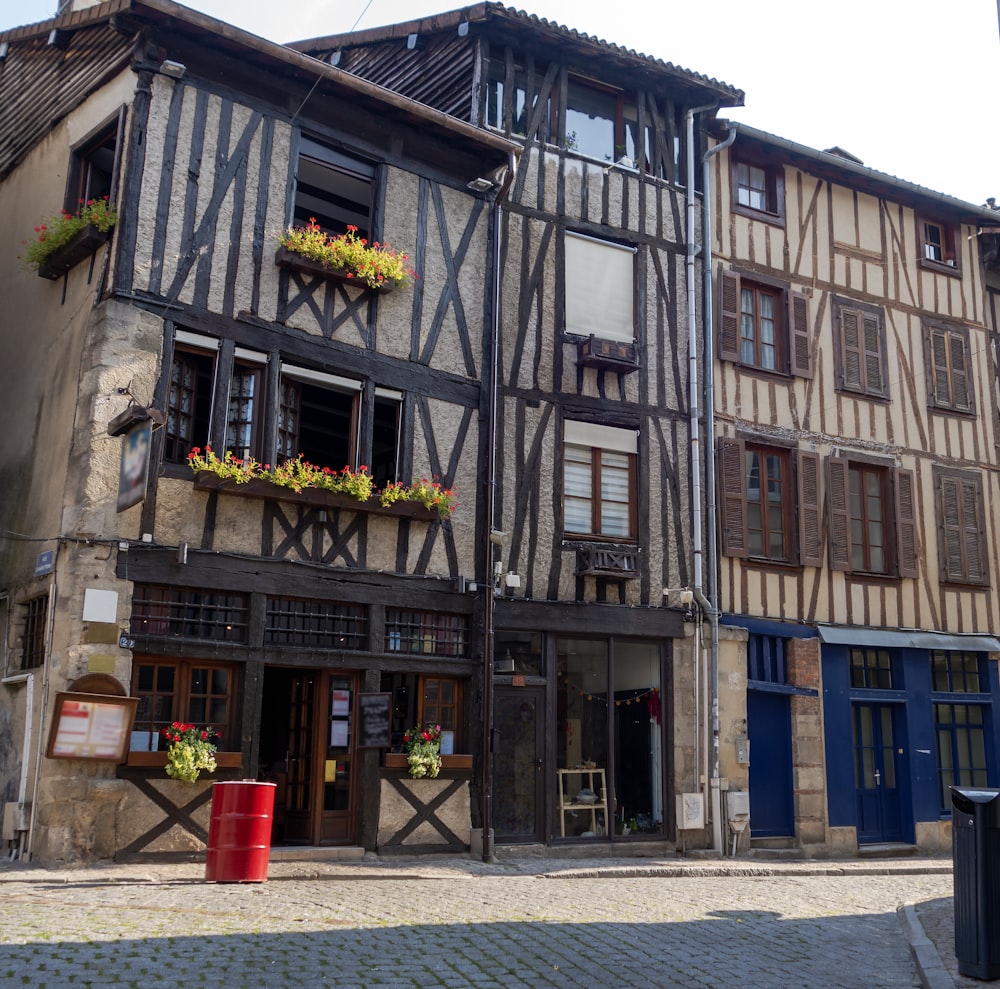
pixel 599 473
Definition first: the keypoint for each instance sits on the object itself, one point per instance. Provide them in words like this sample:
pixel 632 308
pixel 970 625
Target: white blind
pixel 599 288
pixel 604 437
pixel 320 377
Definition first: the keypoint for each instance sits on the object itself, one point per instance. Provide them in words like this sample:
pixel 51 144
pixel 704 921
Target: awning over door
pixel 902 638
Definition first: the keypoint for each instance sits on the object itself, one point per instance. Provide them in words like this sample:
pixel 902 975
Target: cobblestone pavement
pixel 455 924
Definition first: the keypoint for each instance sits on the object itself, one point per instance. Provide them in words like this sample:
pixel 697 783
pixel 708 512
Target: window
pixel 936 242
pixel 955 672
pixel 509 108
pixel 758 188
pixel 961 526
pixel 191 613
pixel 319 415
pixel 35 613
pixel 769 513
pixel 199 692
pixel 860 351
pixel 441 702
pixel 599 475
pixel 948 369
pixel 428 632
pixel 189 395
pixel 334 188
pixel 763 326
pixel 600 294
pixel 872 518
pixel 93 166
pixel 961 748
pixel 316 624
pixel 871 669
pixel 766 658
pixel 959 725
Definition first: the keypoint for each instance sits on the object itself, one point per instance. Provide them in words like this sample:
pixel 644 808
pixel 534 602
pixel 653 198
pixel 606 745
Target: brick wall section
pixel 808 767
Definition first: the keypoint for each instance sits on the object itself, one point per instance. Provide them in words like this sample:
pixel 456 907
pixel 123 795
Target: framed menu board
pixel 91 726
pixel 374 710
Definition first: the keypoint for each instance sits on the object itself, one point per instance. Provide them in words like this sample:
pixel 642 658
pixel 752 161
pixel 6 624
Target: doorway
pixel 518 780
pixel 877 774
pixel 307 748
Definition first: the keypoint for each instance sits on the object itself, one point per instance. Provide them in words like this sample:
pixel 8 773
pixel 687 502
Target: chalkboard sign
pixel 375 712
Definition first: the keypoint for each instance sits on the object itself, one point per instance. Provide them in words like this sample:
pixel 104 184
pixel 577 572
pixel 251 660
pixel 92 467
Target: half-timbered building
pixel 599 698
pixel 856 425
pixel 277 617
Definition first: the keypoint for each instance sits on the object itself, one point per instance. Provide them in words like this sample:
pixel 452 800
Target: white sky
pixel 908 86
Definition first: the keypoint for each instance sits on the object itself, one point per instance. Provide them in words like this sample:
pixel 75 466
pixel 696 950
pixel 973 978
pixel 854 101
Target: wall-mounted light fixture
pixel 480 184
pixel 173 69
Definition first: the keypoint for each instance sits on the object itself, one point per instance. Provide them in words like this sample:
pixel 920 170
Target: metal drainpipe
pixel 491 454
pixel 712 508
pixel 696 519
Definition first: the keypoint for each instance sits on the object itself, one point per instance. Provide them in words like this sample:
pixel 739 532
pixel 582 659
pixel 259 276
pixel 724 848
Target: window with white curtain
pixel 600 292
pixel 599 472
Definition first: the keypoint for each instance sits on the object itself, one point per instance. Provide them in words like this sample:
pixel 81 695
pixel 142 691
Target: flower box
pixel 608 355
pixel 158 760
pixel 316 497
pixel 291 261
pixel 398 760
pixel 85 243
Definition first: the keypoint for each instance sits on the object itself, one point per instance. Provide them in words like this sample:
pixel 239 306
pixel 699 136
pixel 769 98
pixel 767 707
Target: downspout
pixel 488 580
pixel 695 441
pixel 711 506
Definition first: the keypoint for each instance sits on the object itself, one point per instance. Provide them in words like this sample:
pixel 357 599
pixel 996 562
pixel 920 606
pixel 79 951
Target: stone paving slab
pixel 459 923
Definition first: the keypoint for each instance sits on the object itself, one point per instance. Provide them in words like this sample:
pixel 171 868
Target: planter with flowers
pixel 423 751
pixel 190 751
pixel 61 242
pixel 298 480
pixel 345 258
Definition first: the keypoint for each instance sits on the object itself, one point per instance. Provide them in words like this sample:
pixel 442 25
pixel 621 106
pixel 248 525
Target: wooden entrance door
pixel 518 780
pixel 309 719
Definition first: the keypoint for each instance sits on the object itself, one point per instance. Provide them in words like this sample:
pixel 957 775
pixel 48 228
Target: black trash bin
pixel 975 816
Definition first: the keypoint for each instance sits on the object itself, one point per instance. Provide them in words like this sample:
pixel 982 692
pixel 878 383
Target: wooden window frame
pixel 446 714
pixel 182 694
pixel 949 369
pixel 934 230
pixel 794 356
pixel 95 164
pixel 596 502
pixel 962 540
pixel 774 187
pixel 177 446
pixel 954 664
pixel 869 664
pixel 800 501
pixel 579 84
pixel 330 168
pixel 257 403
pixel 956 774
pixel 899 523
pixel 860 351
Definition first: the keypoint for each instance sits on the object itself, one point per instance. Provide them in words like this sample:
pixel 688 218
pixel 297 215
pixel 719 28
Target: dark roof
pixel 37 87
pixel 850 171
pixel 496 15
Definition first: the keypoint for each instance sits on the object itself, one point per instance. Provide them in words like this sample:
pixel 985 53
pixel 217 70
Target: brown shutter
pixel 951 529
pixel 850 349
pixel 798 323
pixel 940 392
pixel 906 524
pixel 960 390
pixel 729 316
pixel 974 531
pixel 872 342
pixel 732 480
pixel 810 527
pixel 840 523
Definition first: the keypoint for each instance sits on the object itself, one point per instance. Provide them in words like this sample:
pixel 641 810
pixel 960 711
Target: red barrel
pixel 239 834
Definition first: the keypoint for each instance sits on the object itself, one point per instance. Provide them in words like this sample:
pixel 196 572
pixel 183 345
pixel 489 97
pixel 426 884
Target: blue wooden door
pixel 876 774
pixel 772 813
